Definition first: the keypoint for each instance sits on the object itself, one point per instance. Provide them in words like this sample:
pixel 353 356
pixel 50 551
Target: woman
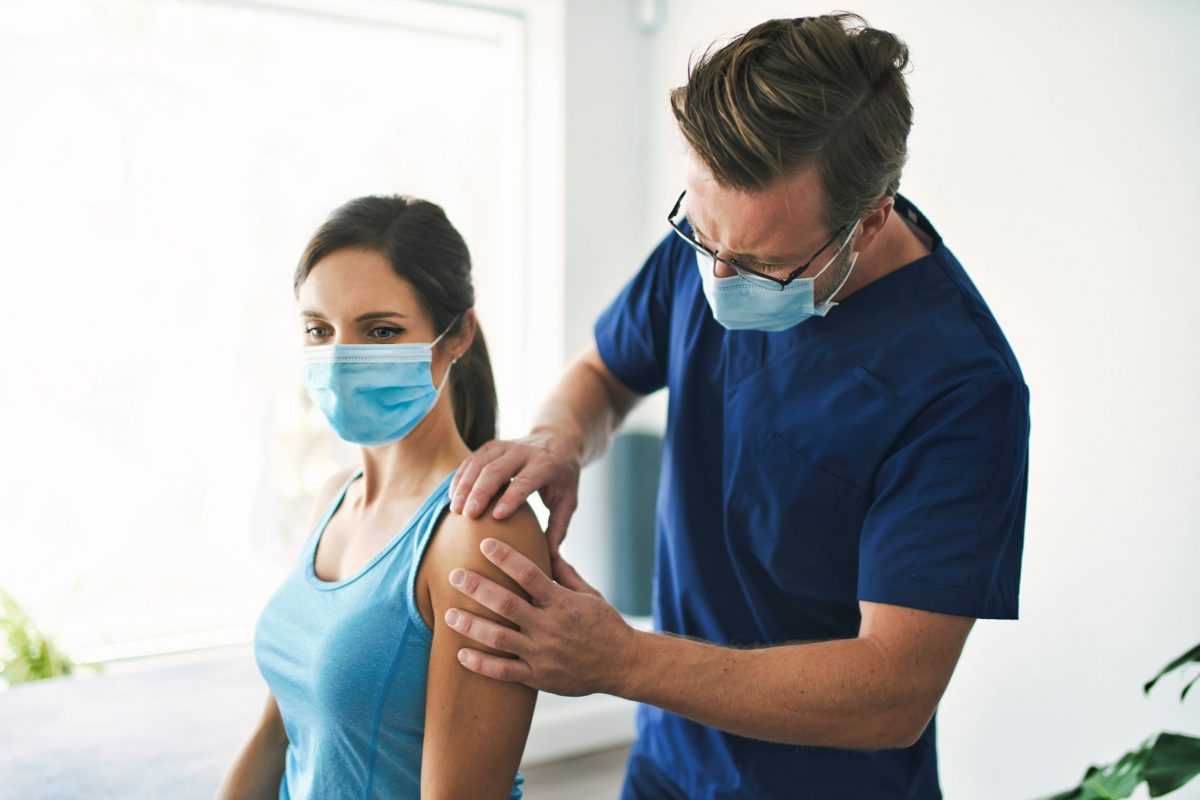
pixel 367 697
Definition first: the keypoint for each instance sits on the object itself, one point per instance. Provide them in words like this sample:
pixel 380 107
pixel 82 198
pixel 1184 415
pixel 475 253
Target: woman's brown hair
pixel 428 252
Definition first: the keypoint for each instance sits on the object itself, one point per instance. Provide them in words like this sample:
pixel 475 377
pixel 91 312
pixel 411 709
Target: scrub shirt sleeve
pixel 946 528
pixel 633 333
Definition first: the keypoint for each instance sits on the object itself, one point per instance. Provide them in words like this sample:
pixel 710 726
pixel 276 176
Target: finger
pixel 487 632
pixel 494 474
pixel 560 515
pixel 566 576
pixel 520 569
pixel 523 484
pixel 464 478
pixel 492 596
pixel 498 667
pixel 467 479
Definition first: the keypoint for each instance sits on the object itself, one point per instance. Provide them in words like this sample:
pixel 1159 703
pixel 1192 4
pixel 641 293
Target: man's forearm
pixel 843 693
pixel 585 408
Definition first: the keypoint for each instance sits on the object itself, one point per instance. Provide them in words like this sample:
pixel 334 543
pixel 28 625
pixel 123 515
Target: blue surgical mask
pixel 373 394
pixel 738 304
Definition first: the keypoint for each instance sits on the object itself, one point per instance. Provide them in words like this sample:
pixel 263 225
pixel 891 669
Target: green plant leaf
pixel 1111 781
pixel 26 654
pixel 1173 761
pixel 1164 763
pixel 1191 656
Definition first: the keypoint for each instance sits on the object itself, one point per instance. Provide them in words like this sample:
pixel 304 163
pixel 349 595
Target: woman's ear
pixel 462 341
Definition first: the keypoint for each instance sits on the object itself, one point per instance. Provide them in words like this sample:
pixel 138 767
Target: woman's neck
pixel 415 465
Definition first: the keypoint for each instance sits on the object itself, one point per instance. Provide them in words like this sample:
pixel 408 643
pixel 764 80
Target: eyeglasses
pixel 749 273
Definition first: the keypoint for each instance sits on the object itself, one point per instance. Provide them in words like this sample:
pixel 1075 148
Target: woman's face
pixel 352 296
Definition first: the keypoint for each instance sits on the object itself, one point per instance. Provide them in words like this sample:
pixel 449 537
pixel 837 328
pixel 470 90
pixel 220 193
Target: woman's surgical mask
pixel 738 304
pixel 373 394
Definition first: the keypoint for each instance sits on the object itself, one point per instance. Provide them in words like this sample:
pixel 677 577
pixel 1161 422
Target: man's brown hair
pixel 789 93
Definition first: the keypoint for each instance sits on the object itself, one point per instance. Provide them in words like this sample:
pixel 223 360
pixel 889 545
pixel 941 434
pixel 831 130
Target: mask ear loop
pixel 442 335
pixel 853 258
pixel 453 361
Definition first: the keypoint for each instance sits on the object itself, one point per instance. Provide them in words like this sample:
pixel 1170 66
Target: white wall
pixel 1054 148
pixel 608 56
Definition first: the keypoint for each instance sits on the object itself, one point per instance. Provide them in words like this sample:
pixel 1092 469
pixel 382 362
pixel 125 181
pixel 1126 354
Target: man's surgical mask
pixel 738 304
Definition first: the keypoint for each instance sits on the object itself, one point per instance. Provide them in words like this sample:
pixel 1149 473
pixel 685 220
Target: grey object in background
pixel 633 467
pixel 168 732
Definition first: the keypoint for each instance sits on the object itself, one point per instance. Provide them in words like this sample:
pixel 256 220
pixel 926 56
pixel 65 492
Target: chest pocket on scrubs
pixel 799 521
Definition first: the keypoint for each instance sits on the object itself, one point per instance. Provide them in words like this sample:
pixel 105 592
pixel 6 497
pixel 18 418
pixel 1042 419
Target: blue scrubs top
pixel 879 453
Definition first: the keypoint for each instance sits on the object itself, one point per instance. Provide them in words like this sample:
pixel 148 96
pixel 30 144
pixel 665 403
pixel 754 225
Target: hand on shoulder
pixel 457 542
pixel 456 546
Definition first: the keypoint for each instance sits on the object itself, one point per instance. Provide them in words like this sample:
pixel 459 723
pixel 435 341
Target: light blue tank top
pixel 347 661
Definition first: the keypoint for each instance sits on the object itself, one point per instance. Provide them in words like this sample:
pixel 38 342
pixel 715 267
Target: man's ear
pixel 873 223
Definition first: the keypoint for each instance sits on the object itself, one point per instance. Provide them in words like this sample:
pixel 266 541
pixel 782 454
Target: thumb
pixel 556 526
pixel 567 577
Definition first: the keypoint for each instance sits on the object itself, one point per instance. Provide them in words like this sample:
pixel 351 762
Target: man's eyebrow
pixel 750 256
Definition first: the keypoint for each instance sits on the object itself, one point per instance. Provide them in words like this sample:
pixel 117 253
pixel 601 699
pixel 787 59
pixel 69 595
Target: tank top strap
pixel 310 544
pixel 424 526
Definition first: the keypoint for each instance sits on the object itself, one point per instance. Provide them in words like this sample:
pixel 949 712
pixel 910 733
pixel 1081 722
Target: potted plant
pixel 1164 762
pixel 26 654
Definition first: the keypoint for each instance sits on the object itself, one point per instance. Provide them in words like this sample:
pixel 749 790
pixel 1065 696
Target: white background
pixel 164 163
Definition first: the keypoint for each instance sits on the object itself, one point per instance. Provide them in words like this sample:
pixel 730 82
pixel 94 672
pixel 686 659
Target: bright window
pixel 163 165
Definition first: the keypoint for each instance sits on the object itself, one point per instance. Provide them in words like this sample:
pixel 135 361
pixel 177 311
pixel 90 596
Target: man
pixel 844 475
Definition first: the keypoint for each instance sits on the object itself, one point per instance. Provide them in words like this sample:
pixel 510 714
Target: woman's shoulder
pixel 458 538
pixel 456 544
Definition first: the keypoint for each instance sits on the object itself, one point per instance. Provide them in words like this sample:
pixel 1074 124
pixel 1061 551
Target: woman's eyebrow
pixel 370 315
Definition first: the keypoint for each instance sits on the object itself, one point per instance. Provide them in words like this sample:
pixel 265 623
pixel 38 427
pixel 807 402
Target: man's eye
pixel 386 333
pixel 771 269
pixel 316 331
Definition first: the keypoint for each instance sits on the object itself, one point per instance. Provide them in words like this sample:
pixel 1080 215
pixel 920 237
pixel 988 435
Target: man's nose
pixel 723 270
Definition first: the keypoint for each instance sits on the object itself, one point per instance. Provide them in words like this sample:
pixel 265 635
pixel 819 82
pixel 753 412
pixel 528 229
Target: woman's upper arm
pixel 271 722
pixel 475 727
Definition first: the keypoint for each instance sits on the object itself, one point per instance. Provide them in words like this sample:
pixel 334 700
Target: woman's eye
pixel 386 333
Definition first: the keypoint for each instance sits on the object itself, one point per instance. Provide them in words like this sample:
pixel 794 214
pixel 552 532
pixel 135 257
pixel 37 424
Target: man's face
pixel 779 227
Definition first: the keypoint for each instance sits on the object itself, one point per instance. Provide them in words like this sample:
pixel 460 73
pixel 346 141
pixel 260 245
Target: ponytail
pixel 473 394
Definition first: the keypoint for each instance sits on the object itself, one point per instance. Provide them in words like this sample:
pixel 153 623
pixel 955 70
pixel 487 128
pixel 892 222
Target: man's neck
pixel 894 247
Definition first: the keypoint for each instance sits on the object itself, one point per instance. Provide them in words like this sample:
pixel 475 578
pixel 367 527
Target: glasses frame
pixel 741 269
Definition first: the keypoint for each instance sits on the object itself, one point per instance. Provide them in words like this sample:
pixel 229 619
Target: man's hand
pixel 569 634
pixel 535 463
